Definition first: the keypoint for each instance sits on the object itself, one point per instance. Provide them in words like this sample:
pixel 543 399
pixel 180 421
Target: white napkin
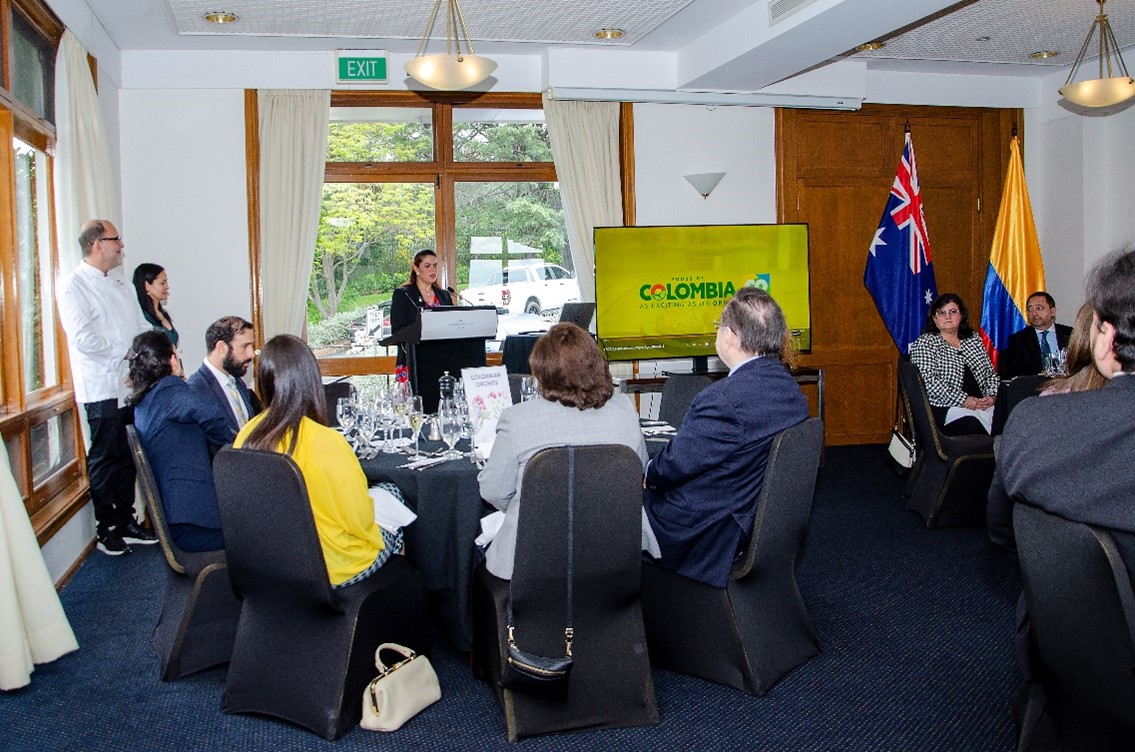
pixel 490 526
pixel 985 416
pixel 389 513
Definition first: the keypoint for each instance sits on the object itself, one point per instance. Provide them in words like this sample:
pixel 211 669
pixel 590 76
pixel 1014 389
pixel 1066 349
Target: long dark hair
pixel 291 387
pixel 149 357
pixel 940 302
pixel 417 260
pixel 145 274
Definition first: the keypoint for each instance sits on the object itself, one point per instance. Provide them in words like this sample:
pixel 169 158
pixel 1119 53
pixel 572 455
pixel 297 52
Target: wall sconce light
pixel 704 182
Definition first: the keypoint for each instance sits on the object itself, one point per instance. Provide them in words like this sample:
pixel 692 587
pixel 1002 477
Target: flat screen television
pixel 659 290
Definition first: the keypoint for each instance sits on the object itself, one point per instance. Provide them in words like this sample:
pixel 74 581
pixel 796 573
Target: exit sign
pixel 361 66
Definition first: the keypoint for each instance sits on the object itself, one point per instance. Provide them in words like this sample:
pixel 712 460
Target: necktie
pixel 238 403
pixel 1045 348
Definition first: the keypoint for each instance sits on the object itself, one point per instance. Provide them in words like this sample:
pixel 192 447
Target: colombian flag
pixel 1015 266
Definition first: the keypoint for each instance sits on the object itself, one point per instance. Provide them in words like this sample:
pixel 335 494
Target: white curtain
pixel 33 627
pixel 84 180
pixel 293 149
pixel 585 147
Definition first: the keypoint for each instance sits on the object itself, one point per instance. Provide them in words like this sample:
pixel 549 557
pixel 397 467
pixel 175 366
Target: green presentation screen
pixel 658 290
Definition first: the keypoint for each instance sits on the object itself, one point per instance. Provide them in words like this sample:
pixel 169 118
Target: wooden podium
pixel 443 339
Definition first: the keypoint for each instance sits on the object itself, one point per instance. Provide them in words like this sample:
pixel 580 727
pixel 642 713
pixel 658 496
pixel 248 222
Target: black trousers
pixel 110 465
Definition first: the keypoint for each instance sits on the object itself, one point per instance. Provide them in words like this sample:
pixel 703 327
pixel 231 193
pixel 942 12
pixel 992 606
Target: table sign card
pixel 487 393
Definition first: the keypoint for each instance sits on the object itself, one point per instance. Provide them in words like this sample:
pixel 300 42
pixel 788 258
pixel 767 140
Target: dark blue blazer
pixel 702 489
pixel 177 428
pixel 205 383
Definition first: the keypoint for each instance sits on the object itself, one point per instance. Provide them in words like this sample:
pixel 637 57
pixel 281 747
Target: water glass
pixel 449 423
pixel 345 413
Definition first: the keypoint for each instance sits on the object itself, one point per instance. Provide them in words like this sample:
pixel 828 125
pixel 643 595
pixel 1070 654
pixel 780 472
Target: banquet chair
pixel 755 630
pixel 1082 622
pixel 332 391
pixel 610 684
pixel 950 479
pixel 197 626
pixel 678 392
pixel 304 651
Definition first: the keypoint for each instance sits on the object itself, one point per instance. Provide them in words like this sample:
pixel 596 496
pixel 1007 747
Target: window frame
pixel 57 497
pixel 443 171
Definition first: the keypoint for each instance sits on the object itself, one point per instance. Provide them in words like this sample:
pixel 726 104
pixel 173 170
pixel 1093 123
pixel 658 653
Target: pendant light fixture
pixel 1113 85
pixel 455 70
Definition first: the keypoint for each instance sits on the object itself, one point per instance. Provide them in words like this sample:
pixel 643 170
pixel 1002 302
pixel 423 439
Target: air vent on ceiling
pixel 778 10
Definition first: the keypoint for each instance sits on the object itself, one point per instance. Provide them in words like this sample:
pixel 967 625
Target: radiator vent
pixel 778 10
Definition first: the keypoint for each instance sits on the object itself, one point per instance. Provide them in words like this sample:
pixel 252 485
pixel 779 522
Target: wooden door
pixel 834 173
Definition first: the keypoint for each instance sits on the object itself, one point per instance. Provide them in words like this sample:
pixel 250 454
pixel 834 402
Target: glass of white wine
pixel 417 420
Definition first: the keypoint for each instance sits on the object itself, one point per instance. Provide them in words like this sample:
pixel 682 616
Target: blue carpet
pixel 915 627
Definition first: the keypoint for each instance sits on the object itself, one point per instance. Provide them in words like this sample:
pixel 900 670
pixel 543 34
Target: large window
pixel 474 181
pixel 38 420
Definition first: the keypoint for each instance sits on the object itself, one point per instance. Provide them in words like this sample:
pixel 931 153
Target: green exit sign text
pixel 361 66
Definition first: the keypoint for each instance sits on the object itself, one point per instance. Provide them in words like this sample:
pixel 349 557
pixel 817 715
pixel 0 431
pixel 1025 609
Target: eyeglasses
pixel 944 313
pixel 115 239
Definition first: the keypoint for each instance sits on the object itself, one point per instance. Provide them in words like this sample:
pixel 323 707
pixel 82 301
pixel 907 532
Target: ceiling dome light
pixel 1113 85
pixel 878 44
pixel 455 70
pixel 1044 54
pixel 606 34
pixel 221 17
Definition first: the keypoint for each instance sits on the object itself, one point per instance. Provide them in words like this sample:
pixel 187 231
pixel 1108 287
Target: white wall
pixel 185 205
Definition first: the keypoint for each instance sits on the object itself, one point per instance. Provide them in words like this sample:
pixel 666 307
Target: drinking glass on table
pixel 365 427
pixel 449 423
pixel 385 412
pixel 417 419
pixel 471 423
pixel 345 414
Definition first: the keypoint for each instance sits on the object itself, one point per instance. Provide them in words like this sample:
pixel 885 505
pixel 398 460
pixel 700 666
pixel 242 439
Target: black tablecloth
pixel 515 352
pixel 448 503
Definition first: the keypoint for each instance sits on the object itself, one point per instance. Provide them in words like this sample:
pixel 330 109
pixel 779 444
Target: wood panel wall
pixel 834 171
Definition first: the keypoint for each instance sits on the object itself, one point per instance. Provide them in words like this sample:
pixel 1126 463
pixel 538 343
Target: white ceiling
pixel 995 37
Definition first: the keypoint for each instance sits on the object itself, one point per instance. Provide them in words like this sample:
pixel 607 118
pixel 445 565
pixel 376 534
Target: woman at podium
pixel 421 291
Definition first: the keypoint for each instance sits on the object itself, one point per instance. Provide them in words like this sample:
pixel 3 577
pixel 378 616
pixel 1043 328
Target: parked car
pixel 528 288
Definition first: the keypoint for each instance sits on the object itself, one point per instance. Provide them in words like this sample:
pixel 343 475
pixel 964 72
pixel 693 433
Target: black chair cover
pixel 678 392
pixel 304 651
pixel 1082 622
pixel 611 685
pixel 755 630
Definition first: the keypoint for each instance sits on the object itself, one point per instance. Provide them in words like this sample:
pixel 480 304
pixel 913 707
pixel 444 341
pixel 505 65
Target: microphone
pixel 457 295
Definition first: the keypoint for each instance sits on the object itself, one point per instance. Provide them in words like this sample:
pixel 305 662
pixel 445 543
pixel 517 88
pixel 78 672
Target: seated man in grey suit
pixel 1028 348
pixel 230 345
pixel 702 489
pixel 1070 454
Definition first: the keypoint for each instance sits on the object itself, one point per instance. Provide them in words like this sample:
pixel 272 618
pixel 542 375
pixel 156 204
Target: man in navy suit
pixel 1023 355
pixel 701 491
pixel 230 345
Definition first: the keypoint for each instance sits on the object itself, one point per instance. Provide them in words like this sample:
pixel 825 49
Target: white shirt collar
pixel 223 377
pixel 743 362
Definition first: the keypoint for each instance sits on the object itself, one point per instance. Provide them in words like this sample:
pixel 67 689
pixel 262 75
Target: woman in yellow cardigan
pixel 294 422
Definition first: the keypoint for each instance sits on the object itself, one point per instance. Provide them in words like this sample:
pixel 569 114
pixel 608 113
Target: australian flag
pixel 900 273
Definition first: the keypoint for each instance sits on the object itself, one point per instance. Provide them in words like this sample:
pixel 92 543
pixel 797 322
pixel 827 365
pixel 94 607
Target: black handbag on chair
pixel 539 675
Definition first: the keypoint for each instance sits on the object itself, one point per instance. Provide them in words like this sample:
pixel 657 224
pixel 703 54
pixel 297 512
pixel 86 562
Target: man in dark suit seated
pixel 701 491
pixel 230 345
pixel 1027 349
pixel 1071 454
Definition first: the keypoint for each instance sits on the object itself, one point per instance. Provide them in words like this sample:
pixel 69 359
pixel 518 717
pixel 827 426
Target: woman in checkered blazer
pixel 955 366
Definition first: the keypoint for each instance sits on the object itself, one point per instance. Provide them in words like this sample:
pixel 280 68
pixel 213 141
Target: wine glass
pixel 449 423
pixel 472 420
pixel 384 407
pixel 345 413
pixel 417 419
pixel 365 426
pixel 528 388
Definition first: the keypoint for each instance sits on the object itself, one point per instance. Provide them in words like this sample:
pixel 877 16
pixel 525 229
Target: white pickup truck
pixel 530 288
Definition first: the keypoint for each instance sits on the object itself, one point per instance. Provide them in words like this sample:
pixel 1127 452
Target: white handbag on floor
pixel 399 692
